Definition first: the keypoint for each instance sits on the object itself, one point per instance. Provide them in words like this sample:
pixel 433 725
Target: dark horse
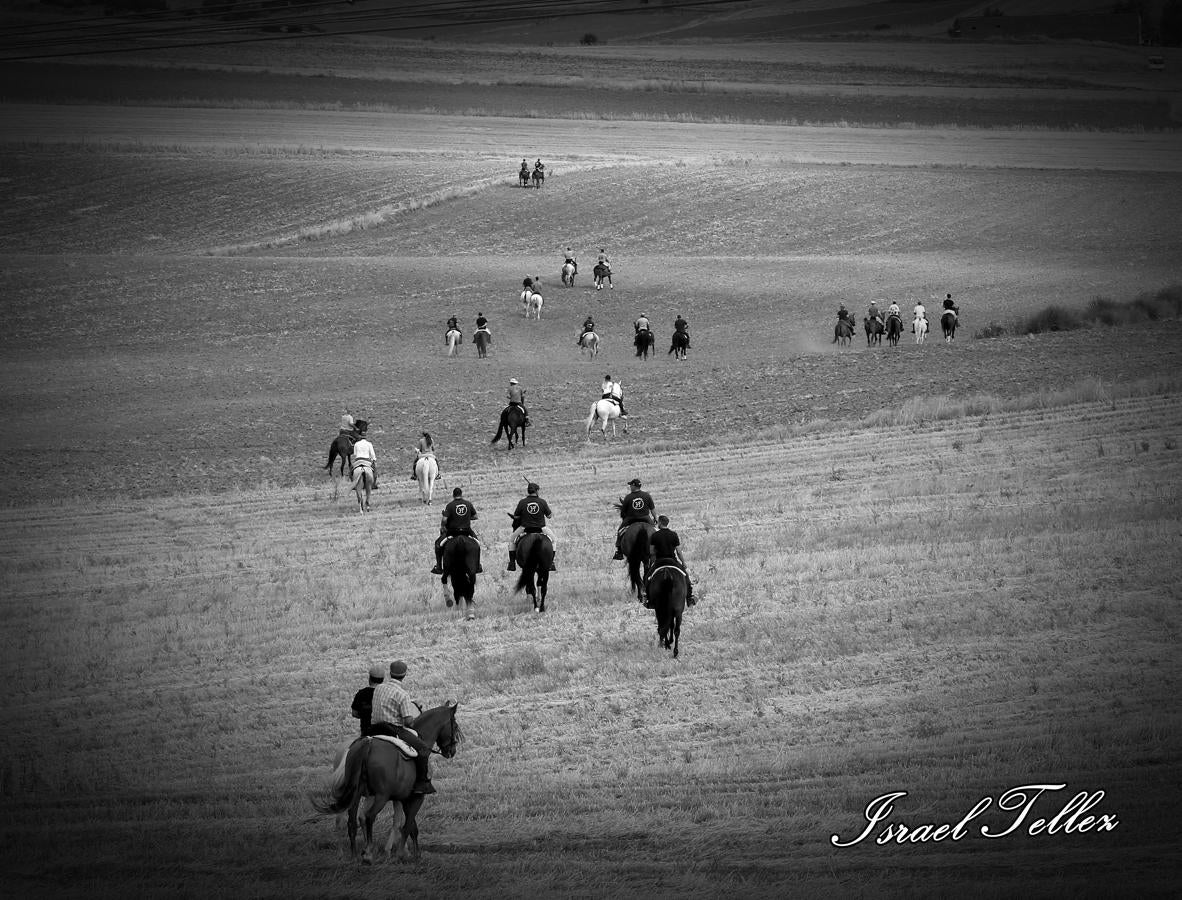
pixel 376 767
pixel 644 342
pixel 601 272
pixel 481 339
pixel 512 425
pixel 342 446
pixel 843 332
pixel 634 546
pixel 539 176
pixel 680 345
pixel 535 553
pixel 894 329
pixel 523 176
pixel 874 330
pixel 948 322
pixel 666 595
pixel 461 557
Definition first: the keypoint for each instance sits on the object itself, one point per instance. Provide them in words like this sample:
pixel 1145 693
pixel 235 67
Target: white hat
pixel 512 381
pixel 346 421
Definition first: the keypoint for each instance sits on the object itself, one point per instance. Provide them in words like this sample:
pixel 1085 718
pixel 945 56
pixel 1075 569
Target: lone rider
pixel 529 518
pixel 425 447
pixel 588 327
pixel 873 312
pixel 516 397
pixel 570 258
pixel 613 390
pixel 635 506
pixel 681 326
pixel 393 714
pixel 664 546
pixel 456 519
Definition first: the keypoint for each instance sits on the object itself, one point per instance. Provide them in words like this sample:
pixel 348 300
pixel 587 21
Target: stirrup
pixel 423 787
pixel 437 570
pixel 619 554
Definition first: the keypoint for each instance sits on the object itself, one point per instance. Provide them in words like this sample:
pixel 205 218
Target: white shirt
pixel 919 311
pixel 893 308
pixel 363 453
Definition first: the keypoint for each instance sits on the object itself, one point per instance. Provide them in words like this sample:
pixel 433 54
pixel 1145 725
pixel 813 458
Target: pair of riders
pixel 392 713
pixel 457 518
pixel 614 391
pixel 664 544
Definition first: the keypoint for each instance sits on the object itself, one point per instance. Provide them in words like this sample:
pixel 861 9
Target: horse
pixel 680 346
pixel 535 554
pixel 920 327
pixel 453 339
pixel 482 339
pixel 948 322
pixel 568 274
pixel 342 446
pixel 589 343
pixel 377 767
pixel 606 411
pixel 539 176
pixel 512 425
pixel 644 342
pixel 874 330
pixel 533 307
pixel 894 329
pixel 426 473
pixel 363 480
pixel 601 272
pixel 634 546
pixel 666 595
pixel 461 554
pixel 523 176
pixel 843 332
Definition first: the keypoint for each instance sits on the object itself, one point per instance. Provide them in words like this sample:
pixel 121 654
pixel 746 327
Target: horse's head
pixel 449 734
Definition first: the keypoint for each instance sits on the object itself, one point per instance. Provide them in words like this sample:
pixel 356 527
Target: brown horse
pixel 376 767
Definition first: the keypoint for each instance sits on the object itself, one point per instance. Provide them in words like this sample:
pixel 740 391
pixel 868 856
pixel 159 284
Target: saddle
pixel 403 747
pixel 662 563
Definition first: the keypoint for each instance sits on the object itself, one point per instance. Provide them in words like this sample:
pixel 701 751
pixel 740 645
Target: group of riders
pixel 539 172
pixel 919 313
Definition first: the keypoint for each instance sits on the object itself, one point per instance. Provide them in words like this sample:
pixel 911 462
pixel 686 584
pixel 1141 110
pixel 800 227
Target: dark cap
pixel 532 488
pixel 635 482
pixel 398 669
pixel 457 492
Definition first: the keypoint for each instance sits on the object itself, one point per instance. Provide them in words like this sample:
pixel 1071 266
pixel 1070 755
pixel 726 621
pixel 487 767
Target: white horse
pixel 426 473
pixel 606 411
pixel 921 329
pixel 363 479
pixel 533 306
pixel 568 274
pixel 589 344
pixel 453 338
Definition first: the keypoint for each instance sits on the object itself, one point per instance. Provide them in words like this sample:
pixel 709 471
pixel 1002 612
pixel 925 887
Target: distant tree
pixel 992 11
pixel 588 38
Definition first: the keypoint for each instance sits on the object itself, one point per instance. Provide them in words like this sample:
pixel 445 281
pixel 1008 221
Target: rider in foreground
pixel 529 518
pixel 456 519
pixel 665 547
pixel 614 391
pixel 635 506
pixel 516 397
pixel 393 714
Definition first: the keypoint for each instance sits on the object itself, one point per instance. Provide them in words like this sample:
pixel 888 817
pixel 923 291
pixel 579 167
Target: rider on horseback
pixel 457 518
pixel 664 547
pixel 843 314
pixel 920 312
pixel 570 258
pixel 635 506
pixel 524 173
pixel 539 166
pixel 453 324
pixel 614 391
pixel 393 713
pixel 529 518
pixel 642 324
pixel 873 311
pixel 893 310
pixel 588 328
pixel 364 457
pixel 950 305
pixel 681 326
pixel 516 397
pixel 425 447
pixel 482 325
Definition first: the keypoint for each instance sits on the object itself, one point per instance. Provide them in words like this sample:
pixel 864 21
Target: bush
pixel 992 330
pixel 1051 318
pixel 588 38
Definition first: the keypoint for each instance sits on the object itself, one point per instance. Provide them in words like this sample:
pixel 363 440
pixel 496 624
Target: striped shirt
pixel 392 704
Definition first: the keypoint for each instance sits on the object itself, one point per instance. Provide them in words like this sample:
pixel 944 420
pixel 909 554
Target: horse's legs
pixel 371 814
pixel 676 632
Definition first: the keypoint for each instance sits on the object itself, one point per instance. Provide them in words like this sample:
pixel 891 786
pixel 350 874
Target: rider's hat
pixel 635 482
pixel 377 671
pixel 361 426
pixel 512 381
pixel 346 421
pixel 532 488
pixel 398 669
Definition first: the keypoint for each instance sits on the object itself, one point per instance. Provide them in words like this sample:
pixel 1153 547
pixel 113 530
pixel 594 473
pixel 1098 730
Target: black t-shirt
pixel 458 515
pixel 363 703
pixel 663 542
pixel 531 512
pixel 637 505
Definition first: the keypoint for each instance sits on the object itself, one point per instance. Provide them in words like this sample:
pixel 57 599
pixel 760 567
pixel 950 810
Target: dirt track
pixel 498 136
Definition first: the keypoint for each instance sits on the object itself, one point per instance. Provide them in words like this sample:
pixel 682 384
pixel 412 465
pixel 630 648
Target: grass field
pixel 945 570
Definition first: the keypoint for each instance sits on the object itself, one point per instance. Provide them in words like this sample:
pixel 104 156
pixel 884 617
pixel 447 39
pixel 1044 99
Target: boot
pixel 512 567
pixel 422 779
pixel 619 554
pixel 438 570
pixel 553 566
pixel 689 592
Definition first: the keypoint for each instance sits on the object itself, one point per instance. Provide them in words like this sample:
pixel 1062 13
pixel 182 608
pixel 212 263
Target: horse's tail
pixel 637 554
pixel 344 791
pixel 500 429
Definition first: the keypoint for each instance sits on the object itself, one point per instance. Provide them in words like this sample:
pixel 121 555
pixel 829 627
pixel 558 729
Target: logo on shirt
pixel 638 503
pixel 461 509
pixel 533 508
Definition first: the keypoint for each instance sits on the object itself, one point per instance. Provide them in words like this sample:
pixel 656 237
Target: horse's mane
pixel 619 505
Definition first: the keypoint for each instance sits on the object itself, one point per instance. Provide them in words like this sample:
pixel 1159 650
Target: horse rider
pixel 950 305
pixel 364 457
pixel 527 283
pixel 873 312
pixel 681 326
pixel 539 166
pixel 843 314
pixel 635 506
pixel 362 706
pixel 425 447
pixel 456 519
pixel 529 518
pixel 453 324
pixel 570 258
pixel 664 545
pixel 920 312
pixel 642 324
pixel 393 714
pixel 524 169
pixel 893 310
pixel 516 397
pixel 588 328
pixel 614 391
pixel 482 325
